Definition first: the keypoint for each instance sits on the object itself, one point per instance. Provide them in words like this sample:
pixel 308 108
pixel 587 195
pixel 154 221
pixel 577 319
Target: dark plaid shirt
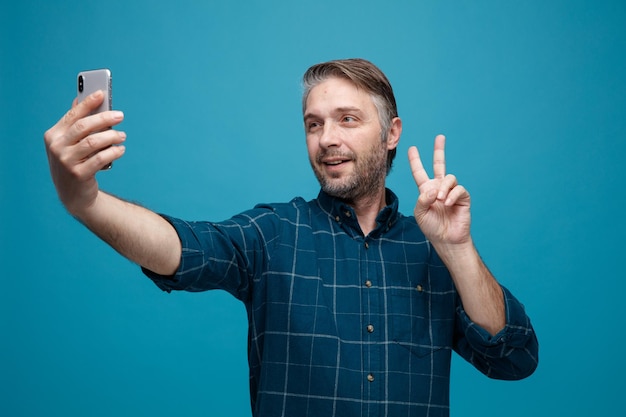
pixel 342 324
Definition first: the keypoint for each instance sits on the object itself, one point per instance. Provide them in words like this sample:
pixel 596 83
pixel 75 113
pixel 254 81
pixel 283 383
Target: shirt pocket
pixel 420 321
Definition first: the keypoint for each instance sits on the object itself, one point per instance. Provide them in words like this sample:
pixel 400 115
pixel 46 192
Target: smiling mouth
pixel 334 159
pixel 335 163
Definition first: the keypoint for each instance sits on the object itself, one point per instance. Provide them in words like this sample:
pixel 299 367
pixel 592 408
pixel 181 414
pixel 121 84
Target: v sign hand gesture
pixel 443 207
pixel 443 213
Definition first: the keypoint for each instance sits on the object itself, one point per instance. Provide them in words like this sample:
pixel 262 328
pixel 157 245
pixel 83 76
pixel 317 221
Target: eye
pixel 349 119
pixel 312 126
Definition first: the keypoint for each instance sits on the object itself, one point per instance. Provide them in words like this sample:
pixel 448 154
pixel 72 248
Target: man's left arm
pixel 480 293
pixel 443 213
pixel 498 338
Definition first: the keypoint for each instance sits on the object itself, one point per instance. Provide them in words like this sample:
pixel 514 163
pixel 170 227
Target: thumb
pixel 424 201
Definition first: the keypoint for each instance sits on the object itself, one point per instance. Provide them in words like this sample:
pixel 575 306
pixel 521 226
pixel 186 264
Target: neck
pixel 367 209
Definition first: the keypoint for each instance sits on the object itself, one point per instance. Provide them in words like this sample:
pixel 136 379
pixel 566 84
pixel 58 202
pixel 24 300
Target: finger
pixel 427 198
pixel 90 124
pixel 104 158
pixel 76 112
pixel 458 196
pixel 97 142
pixel 439 157
pixel 447 183
pixel 417 168
pixel 424 202
pixel 82 109
pixel 92 165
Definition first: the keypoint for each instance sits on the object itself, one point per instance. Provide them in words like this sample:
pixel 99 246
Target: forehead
pixel 334 93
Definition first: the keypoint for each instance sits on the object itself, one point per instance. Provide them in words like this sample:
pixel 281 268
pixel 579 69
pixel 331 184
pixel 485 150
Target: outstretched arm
pixel 443 213
pixel 78 146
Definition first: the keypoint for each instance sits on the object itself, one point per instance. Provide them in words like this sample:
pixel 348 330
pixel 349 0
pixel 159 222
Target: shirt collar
pixel 344 214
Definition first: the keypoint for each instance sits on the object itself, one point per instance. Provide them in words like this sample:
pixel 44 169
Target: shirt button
pixel 419 288
pixel 370 328
pixel 368 283
pixel 337 218
pixel 367 245
pixel 348 214
pixel 370 377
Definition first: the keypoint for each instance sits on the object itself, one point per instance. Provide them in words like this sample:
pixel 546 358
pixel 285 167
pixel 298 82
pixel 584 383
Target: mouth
pixel 334 160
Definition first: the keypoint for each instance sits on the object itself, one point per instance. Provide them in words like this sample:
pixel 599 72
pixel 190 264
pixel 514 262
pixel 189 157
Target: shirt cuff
pixel 515 334
pixel 192 258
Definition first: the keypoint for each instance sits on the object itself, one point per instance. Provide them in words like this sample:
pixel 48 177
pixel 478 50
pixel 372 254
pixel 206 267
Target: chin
pixel 338 189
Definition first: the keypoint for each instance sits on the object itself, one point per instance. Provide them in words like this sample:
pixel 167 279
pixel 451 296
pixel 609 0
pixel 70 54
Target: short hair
pixel 364 75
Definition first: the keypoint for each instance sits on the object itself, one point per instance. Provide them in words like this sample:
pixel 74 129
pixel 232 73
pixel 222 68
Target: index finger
pixel 417 168
pixel 439 157
pixel 82 109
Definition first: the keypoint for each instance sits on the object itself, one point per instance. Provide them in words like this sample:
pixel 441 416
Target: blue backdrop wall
pixel 531 96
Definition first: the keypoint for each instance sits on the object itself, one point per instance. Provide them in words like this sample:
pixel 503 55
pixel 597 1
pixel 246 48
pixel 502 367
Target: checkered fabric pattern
pixel 342 324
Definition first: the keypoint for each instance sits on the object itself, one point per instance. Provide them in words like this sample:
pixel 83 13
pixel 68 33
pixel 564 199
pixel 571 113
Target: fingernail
pixel 117 115
pixel 96 94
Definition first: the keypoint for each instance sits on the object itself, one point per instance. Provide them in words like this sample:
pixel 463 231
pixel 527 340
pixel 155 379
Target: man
pixel 353 308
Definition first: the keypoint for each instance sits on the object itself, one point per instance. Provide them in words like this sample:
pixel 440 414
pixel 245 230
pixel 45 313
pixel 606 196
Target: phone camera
pixel 81 84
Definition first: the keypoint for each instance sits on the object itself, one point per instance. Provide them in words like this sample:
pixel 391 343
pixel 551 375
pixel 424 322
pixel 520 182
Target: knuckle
pixel 72 170
pixel 99 159
pixel 89 142
pixel 104 116
pixel 69 117
pixel 75 173
pixel 49 137
pixel 80 126
pixel 55 146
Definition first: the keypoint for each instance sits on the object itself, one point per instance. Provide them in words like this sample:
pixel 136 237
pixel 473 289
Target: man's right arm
pixel 78 146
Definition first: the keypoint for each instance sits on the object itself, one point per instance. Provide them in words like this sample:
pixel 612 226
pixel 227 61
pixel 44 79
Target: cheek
pixel 311 146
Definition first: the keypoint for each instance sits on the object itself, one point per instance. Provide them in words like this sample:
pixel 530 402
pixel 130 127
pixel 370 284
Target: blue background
pixel 531 96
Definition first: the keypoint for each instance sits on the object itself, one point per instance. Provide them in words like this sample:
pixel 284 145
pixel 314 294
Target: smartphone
pixel 91 81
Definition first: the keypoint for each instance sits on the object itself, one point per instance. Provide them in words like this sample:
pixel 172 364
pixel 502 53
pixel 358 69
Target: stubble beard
pixel 365 180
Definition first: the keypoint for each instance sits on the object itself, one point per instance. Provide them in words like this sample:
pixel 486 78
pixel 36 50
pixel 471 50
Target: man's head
pixel 352 128
pixel 365 76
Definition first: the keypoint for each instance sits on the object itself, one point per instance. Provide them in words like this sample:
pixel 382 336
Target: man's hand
pixel 443 207
pixel 78 146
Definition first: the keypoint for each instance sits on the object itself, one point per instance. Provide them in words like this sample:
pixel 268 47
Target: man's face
pixel 343 136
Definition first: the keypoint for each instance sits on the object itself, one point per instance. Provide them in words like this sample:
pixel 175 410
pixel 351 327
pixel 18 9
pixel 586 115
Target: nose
pixel 329 136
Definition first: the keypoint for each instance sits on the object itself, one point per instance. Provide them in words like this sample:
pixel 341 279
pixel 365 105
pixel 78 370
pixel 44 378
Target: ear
pixel 393 138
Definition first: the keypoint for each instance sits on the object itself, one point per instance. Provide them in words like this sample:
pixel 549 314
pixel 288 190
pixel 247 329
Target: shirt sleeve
pixel 224 255
pixel 511 354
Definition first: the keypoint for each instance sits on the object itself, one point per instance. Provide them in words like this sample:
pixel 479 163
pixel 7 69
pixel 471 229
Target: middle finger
pixel 92 124
pixel 439 157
